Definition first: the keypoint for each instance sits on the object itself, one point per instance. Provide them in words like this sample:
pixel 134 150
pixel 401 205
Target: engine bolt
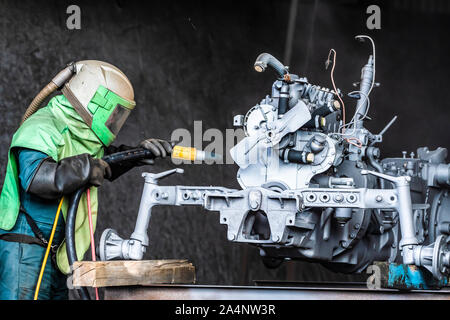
pixel 351 198
pixel 357 226
pixel 352 235
pixel 338 198
pixel 379 198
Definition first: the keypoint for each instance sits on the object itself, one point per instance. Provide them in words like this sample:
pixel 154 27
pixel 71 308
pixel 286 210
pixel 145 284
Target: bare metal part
pixel 365 87
pixel 283 210
pixel 265 59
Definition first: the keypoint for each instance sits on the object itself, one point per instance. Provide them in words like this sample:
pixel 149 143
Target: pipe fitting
pixel 290 155
pixel 266 59
pixel 64 75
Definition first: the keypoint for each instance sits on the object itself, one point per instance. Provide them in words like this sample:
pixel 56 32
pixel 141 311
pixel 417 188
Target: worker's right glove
pixel 55 179
pixel 159 148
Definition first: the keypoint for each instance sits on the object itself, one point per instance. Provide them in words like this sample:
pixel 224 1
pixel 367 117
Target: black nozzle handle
pixel 129 155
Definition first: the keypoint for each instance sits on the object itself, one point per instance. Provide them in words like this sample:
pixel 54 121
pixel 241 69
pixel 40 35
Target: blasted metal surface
pixel 290 137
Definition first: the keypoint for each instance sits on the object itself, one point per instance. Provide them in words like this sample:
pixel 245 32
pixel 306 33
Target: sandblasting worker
pixel 56 151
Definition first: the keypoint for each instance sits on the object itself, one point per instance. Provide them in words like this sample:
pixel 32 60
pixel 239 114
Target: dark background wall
pixel 192 60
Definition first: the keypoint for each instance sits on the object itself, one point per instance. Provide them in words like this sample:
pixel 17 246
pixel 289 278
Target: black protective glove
pixel 159 148
pixel 99 171
pixel 55 179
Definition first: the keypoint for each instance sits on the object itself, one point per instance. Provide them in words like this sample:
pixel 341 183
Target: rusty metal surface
pixel 205 292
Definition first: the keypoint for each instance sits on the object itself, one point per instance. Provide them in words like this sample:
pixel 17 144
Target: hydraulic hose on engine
pixel 115 158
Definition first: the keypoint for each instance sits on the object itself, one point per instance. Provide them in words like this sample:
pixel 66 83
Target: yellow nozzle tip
pixel 310 157
pixel 259 68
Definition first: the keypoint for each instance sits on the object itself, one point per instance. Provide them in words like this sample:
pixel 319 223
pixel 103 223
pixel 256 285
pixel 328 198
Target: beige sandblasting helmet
pixel 102 95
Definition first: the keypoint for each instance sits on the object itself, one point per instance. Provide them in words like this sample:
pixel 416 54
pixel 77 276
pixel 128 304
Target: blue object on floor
pixel 410 277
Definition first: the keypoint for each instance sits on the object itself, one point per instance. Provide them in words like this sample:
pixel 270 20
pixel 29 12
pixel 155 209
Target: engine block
pixel 314 188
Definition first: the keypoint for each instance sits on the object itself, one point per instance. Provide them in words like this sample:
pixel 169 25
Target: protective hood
pixel 58 131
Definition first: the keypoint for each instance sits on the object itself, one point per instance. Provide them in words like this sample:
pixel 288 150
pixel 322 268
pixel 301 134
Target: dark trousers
pixel 20 265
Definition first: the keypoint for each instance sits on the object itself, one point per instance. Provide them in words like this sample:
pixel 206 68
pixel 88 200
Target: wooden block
pixel 130 272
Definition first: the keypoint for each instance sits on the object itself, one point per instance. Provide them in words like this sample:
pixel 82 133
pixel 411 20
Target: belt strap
pixel 23 238
pixel 39 238
pixel 37 232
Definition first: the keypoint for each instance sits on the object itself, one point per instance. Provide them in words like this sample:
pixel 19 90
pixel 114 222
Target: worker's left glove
pixel 99 170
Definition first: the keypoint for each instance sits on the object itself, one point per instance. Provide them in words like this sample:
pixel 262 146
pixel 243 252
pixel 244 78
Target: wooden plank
pixel 130 272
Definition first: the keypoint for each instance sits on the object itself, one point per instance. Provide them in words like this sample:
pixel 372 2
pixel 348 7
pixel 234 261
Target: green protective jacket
pixel 58 131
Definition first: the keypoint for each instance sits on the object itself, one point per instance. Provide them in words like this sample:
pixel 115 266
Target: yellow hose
pixel 55 223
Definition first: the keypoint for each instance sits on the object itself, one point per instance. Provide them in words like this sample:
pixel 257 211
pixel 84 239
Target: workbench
pixel 175 280
pixel 212 292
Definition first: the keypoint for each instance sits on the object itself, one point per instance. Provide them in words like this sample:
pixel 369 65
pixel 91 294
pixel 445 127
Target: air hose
pixel 70 234
pixel 57 82
pixel 74 201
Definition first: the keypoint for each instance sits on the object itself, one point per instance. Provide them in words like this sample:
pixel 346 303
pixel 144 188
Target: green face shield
pixel 109 112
